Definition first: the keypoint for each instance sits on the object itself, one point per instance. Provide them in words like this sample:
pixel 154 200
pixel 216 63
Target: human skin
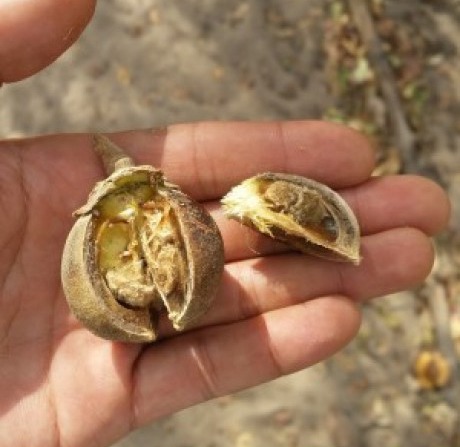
pixel 62 386
pixel 33 33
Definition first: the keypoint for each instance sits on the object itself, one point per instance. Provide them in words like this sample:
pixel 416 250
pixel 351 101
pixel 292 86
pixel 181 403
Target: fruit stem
pixel 113 157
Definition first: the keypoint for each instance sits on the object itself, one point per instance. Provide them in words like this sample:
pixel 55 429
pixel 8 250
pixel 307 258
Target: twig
pixel 403 137
pixel 440 312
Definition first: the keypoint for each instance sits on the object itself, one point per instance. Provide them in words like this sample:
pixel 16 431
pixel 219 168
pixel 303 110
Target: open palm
pixel 276 311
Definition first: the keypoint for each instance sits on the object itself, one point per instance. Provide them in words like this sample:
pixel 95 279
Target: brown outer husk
pixel 205 256
pixel 105 187
pixel 89 298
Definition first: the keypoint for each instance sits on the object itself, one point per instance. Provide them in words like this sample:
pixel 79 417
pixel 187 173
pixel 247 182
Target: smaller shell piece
pixel 298 211
pixel 187 294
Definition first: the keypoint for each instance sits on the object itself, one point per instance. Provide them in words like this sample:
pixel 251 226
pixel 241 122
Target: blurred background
pixel 389 68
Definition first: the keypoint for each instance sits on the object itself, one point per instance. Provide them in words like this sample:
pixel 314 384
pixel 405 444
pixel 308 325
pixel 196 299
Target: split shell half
pixel 303 213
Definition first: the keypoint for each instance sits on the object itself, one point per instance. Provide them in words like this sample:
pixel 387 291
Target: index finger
pixel 205 160
pixel 208 158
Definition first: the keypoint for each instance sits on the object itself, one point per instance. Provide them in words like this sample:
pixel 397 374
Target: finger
pixel 379 204
pixel 197 366
pixel 208 158
pixel 394 260
pixel 205 160
pixel 396 201
pixel 35 32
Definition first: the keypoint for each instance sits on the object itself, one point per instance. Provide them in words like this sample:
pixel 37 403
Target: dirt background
pixel 147 63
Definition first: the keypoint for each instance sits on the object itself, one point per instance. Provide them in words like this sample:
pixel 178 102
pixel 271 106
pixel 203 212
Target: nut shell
pixel 205 255
pixel 89 298
pixel 87 293
pixel 335 234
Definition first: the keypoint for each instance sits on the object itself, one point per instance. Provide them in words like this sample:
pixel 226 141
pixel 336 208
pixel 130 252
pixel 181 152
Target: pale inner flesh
pixel 139 248
pixel 282 205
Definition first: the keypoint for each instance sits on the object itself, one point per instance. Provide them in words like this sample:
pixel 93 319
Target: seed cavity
pixel 139 250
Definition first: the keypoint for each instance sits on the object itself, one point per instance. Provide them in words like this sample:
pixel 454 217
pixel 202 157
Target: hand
pixel 276 312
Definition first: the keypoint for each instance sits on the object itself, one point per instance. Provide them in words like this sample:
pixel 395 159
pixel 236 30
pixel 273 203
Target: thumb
pixel 33 33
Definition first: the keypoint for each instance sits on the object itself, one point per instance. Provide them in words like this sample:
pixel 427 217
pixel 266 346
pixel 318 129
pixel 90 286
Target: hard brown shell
pixel 205 254
pixel 89 298
pixel 93 303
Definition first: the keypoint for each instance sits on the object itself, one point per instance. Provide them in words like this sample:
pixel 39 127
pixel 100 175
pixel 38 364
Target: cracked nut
pixel 305 214
pixel 139 245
